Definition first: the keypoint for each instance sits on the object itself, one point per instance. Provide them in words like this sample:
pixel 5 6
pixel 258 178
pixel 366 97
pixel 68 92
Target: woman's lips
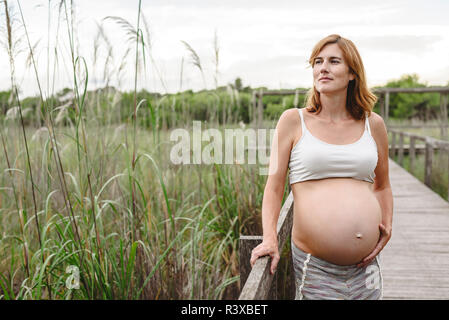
pixel 325 79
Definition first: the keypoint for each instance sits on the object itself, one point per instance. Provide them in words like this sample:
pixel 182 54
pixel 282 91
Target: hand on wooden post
pixel 266 248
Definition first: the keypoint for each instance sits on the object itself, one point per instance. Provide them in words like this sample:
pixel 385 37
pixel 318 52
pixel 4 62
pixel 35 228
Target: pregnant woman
pixel 337 151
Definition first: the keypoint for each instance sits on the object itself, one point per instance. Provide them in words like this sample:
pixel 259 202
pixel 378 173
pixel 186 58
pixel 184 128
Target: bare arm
pixel 274 188
pixel 382 188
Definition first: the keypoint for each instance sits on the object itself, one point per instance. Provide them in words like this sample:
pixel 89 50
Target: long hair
pixel 359 99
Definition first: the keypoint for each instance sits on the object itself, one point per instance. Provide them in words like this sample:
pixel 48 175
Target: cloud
pixel 263 42
pixel 264 65
pixel 271 72
pixel 405 44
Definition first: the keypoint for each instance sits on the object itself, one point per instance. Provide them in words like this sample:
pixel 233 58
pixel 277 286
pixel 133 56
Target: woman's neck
pixel 334 107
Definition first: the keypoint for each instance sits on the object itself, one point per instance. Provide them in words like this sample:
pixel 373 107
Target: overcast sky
pixel 266 43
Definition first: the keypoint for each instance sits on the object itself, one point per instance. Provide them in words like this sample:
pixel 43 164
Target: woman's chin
pixel 330 90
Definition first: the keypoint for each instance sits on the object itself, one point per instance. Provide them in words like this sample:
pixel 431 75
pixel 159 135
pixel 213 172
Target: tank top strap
pixel 367 123
pixel 303 126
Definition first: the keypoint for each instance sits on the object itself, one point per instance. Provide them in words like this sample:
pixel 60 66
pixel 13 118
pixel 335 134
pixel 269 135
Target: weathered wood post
pixel 252 108
pixel 382 105
pixel 387 106
pixel 393 144
pixel 401 149
pixel 411 154
pixel 447 168
pixel 428 163
pixel 260 109
pixel 443 115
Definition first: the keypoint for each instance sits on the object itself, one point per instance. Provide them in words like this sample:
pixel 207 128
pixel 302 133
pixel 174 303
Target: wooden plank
pixel 415 262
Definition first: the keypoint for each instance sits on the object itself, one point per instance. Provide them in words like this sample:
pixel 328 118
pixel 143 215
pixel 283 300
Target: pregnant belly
pixel 336 220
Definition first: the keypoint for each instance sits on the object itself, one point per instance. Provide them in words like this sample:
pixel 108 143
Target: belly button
pixel 358 235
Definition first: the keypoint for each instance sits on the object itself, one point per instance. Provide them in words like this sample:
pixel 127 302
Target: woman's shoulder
pixel 377 126
pixel 376 120
pixel 293 112
pixel 289 122
pixel 290 117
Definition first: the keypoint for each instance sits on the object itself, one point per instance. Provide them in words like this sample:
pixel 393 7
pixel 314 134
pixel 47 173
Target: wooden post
pixel 387 107
pixel 252 109
pixel 447 168
pixel 393 145
pixel 401 149
pixel 428 163
pixel 382 105
pixel 411 154
pixel 260 109
pixel 443 115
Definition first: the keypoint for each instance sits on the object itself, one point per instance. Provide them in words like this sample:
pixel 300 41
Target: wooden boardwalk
pixel 415 262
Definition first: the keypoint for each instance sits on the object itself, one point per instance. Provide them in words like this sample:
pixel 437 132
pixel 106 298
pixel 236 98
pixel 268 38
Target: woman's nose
pixel 324 66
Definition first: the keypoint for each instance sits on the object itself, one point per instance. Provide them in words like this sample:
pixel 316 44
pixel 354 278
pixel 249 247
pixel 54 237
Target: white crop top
pixel 312 158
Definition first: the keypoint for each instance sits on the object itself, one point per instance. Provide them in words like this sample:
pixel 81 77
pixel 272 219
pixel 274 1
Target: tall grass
pixel 88 195
pixel 190 260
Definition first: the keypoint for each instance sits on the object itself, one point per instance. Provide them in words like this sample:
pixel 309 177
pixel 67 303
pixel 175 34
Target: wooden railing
pixel 256 108
pixel 258 279
pixel 429 146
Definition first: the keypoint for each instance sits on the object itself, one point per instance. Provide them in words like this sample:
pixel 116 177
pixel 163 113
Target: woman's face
pixel 330 71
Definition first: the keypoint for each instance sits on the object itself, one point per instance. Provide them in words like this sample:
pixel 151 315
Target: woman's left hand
pixel 385 235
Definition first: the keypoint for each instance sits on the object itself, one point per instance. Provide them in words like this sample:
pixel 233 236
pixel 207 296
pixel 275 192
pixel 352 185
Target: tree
pixel 238 84
pixel 407 105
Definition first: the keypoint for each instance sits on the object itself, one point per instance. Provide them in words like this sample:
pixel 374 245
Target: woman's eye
pixel 335 61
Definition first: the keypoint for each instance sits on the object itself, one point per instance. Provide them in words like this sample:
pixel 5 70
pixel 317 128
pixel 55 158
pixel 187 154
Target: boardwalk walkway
pixel 415 263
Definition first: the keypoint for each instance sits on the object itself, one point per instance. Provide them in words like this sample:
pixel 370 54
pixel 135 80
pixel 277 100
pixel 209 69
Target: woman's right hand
pixel 266 248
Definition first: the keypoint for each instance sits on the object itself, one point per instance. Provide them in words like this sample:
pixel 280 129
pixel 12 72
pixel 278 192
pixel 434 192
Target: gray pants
pixel 317 279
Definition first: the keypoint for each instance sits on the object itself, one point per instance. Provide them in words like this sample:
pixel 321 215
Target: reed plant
pixel 91 206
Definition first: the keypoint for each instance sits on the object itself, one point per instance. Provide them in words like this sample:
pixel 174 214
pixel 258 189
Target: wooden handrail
pixel 258 283
pixel 430 145
pixel 375 90
pixel 384 100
